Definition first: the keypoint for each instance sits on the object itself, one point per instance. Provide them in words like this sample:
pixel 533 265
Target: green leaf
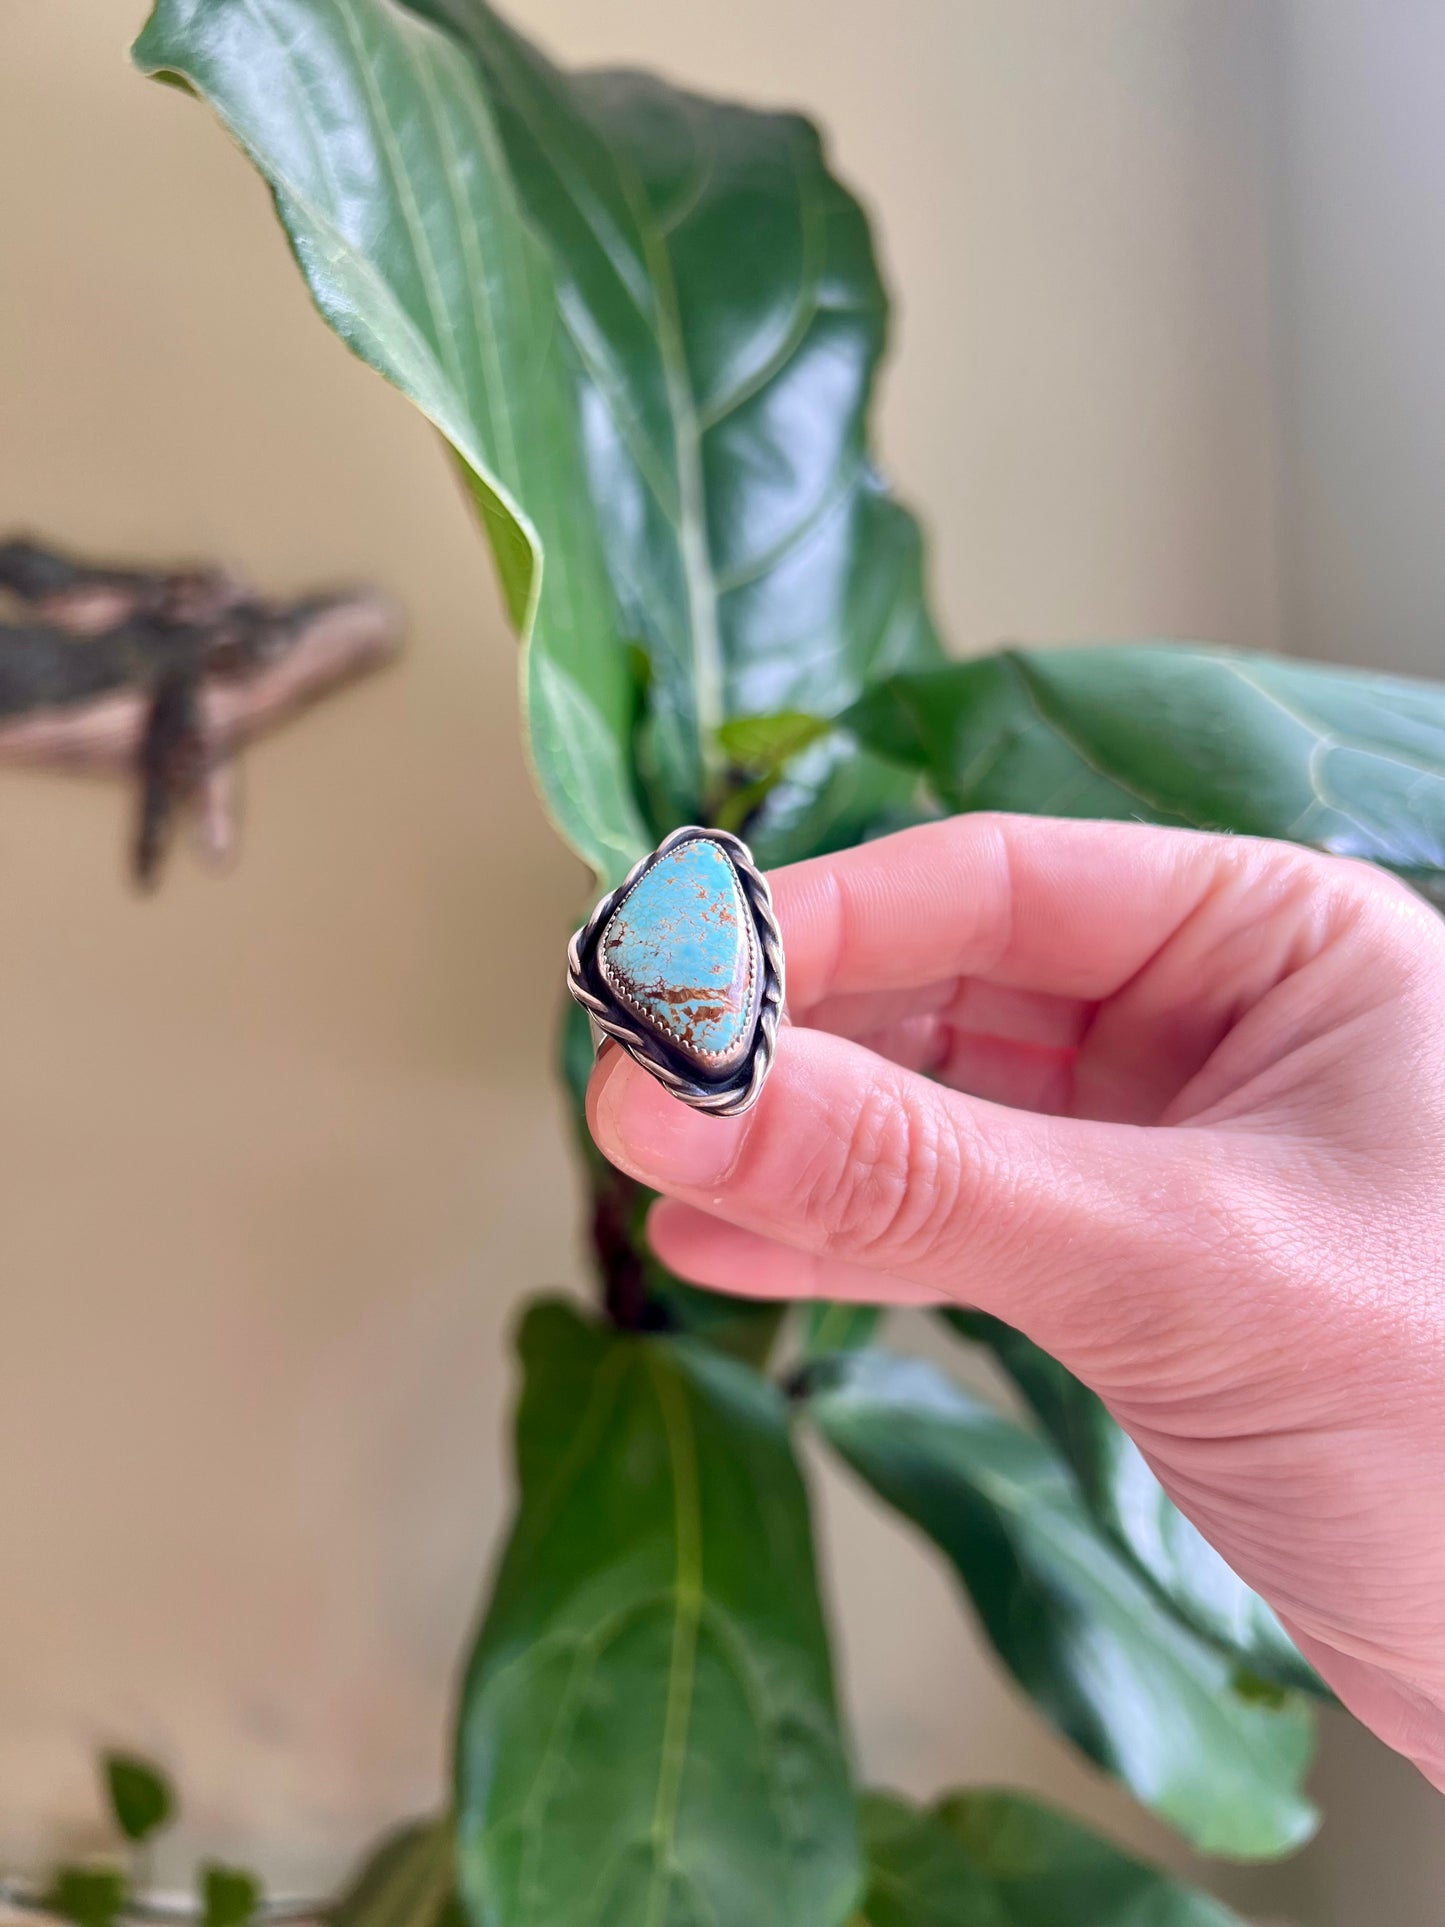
pixel 762 745
pixel 647 1730
pixel 1172 733
pixel 1078 1628
pixel 409 1880
pixel 229 1896
pixel 649 325
pixel 1127 1499
pixel 90 1896
pixel 838 1326
pixel 141 1797
pixel 921 1875
pixel 760 748
pixel 375 131
pixel 719 289
pixel 1250 1686
pixel 990 1859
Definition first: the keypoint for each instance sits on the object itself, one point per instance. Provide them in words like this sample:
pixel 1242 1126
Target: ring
pixel 683 964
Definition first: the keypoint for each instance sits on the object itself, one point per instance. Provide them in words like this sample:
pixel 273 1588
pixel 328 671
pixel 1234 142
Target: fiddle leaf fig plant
pixel 1207 739
pixel 647 325
pixel 1067 1614
pixel 1124 1497
pixel 997 1860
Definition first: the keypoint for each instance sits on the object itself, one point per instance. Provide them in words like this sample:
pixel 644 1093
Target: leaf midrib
pixel 1323 738
pixel 682 1665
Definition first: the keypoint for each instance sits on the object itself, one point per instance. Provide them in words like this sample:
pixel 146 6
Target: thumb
pixel 859 1165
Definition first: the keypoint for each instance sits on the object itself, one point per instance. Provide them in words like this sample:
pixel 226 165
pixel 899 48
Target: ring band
pixel 683 964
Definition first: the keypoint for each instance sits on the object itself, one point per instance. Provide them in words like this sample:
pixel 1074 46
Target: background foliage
pixel 140 1804
pixel 648 327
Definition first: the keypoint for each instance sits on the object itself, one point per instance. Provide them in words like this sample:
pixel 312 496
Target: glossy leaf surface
pixel 1079 1629
pixel 1210 738
pixel 648 324
pixel 1126 1498
pixel 719 290
pixel 990 1859
pixel 375 133
pixel 647 1730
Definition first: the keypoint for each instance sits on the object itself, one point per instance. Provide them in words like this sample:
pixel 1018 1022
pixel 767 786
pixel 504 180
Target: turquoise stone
pixel 679 952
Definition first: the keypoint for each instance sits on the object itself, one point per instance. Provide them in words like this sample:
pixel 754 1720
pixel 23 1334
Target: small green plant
pixel 141 1800
pixel 141 1804
pixel 648 326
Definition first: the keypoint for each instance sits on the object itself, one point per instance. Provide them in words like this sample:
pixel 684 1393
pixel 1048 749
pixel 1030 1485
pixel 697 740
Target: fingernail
pixel 657 1138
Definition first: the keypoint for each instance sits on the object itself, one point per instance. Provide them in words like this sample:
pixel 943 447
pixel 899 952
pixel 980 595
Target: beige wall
pixel 1361 276
pixel 273 1175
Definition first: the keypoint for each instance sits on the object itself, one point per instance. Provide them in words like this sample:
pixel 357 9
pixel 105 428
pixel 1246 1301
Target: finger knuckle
pixel 895 1179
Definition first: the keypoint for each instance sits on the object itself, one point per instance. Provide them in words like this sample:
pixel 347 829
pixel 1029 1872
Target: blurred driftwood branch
pixel 162 675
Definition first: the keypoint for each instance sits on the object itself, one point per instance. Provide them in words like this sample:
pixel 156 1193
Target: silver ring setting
pixel 683 965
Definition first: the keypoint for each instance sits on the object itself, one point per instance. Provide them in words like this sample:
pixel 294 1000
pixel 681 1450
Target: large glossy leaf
pixel 1067 1613
pixel 382 152
pixel 648 324
pixel 1173 733
pixel 647 1730
pixel 720 291
pixel 1128 1501
pixel 986 1859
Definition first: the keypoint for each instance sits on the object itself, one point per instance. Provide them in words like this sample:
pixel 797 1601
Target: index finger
pixel 1053 905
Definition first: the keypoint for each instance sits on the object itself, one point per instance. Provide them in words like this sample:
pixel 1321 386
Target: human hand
pixel 1182 1122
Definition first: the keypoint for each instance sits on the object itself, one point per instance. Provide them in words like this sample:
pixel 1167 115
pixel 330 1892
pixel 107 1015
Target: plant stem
pixel 616 1205
pixel 158 1910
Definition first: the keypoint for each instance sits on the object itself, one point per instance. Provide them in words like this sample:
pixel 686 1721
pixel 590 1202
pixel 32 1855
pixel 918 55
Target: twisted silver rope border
pixel 739 1092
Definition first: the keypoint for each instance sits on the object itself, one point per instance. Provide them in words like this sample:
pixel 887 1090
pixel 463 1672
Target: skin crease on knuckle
pixel 892 1175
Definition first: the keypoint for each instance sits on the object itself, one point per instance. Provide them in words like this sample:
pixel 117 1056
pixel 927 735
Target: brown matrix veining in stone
pixel 679 952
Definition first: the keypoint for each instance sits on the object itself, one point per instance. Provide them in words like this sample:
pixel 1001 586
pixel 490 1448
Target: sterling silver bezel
pixel 738 1090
